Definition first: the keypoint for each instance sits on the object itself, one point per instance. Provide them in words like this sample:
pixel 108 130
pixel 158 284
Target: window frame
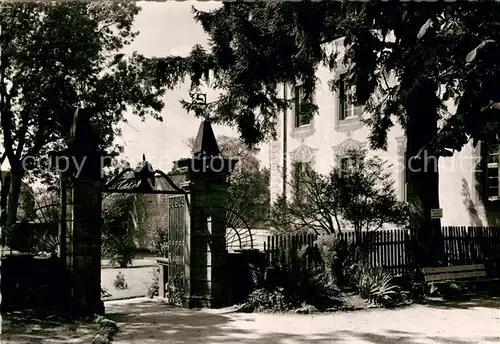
pixel 493 165
pixel 298 98
pixel 345 105
pixel 303 167
pixel 350 164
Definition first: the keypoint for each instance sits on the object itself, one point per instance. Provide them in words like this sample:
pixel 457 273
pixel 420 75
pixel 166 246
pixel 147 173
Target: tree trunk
pixel 423 174
pixel 13 203
pixel 4 196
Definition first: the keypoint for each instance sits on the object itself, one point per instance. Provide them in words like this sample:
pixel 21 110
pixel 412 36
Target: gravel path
pixel 151 322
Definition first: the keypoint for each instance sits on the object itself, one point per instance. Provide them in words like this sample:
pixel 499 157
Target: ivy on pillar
pixel 208 173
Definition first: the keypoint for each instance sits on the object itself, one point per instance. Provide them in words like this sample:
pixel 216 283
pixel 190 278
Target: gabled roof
pixel 177 178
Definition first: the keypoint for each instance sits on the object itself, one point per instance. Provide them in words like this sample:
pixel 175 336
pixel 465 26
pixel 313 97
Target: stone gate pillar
pixel 208 174
pixel 80 227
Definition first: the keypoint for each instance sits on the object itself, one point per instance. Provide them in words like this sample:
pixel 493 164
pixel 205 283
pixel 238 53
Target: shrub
pixel 153 286
pixel 120 282
pixel 119 249
pixel 376 285
pixel 413 282
pixel 263 300
pixel 361 198
pixel 339 258
pixel 117 242
pixel 156 237
pixel 174 289
pixel 299 277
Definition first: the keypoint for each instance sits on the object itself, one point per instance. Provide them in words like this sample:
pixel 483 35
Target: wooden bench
pixel 447 274
pixel 458 273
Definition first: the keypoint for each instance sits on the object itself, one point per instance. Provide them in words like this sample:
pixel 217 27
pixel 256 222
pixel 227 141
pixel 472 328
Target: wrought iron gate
pixel 178 213
pixel 238 232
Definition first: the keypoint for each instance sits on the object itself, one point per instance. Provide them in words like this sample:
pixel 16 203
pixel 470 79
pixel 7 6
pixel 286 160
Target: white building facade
pixel 321 143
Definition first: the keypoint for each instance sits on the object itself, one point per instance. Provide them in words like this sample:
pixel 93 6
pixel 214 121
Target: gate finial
pixel 82 137
pixel 205 143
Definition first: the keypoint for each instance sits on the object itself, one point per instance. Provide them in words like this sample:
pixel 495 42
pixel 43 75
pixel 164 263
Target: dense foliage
pixel 321 277
pixel 254 47
pixel 361 198
pixel 58 56
pixel 153 286
pixel 117 232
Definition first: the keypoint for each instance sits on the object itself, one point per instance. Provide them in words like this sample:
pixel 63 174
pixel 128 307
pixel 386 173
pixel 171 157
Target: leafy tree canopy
pixel 60 56
pixel 57 57
pixel 360 198
pixel 254 47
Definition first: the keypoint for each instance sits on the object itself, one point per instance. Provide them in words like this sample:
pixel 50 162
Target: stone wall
pixel 29 283
pixel 150 213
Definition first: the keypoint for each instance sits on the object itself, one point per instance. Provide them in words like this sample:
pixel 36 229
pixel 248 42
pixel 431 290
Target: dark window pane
pixel 300 118
pixel 344 163
pixel 342 98
pixel 493 191
pixel 492 182
pixel 493 158
pixel 346 103
pixel 492 172
pixel 350 163
pixel 297 106
pixel 493 150
pixel 300 170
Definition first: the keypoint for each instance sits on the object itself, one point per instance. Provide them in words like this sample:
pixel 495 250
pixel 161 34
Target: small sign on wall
pixel 436 214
